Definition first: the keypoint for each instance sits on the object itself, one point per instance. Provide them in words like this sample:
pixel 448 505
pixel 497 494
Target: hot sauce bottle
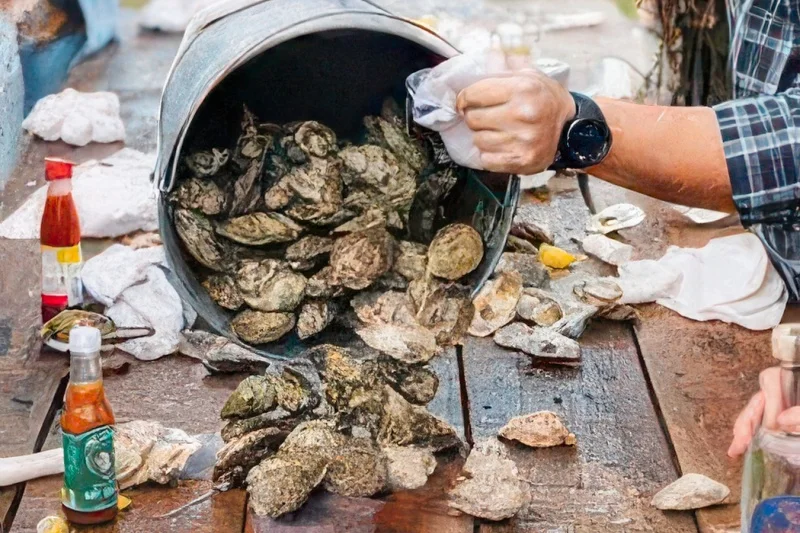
pixel 89 495
pixel 60 242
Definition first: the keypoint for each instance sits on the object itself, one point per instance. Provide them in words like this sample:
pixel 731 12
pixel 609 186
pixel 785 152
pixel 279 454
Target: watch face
pixel 588 141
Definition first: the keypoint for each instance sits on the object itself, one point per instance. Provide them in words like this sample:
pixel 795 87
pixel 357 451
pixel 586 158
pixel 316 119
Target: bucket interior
pixel 336 78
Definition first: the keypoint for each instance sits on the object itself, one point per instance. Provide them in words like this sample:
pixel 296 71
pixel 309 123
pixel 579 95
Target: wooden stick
pixel 26 467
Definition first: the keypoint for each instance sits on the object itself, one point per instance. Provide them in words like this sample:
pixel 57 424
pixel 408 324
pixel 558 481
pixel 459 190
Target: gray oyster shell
pixel 390 133
pixel 308 252
pixel 315 316
pixel 411 260
pixel 207 163
pixel 259 327
pixel 259 228
pixel 247 189
pixel 376 171
pixel 268 285
pixel 197 235
pixel 223 290
pixel 282 483
pixel 455 251
pixel 315 139
pixel 315 191
pixel 360 258
pixel 323 285
pixel 201 194
pixel 446 309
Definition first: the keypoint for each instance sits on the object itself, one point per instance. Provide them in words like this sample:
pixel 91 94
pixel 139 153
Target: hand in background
pixel 766 409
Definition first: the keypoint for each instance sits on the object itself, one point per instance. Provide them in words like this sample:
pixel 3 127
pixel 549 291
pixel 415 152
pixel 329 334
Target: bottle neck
pixel 85 368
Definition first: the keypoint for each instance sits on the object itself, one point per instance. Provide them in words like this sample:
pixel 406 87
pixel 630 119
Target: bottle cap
pixel 786 343
pixel 84 339
pixel 57 169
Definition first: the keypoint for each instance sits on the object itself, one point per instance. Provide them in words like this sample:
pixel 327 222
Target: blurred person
pixel 738 155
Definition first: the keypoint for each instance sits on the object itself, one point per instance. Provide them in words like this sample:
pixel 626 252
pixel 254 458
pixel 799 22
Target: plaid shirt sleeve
pixel 761 138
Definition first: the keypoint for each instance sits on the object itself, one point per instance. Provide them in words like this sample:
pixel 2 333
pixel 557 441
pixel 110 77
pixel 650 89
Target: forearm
pixel 670 153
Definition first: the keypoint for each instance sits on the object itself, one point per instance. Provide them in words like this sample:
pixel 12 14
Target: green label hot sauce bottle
pixel 89 495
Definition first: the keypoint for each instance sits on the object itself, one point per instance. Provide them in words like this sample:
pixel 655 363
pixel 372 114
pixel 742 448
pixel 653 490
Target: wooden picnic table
pixel 649 402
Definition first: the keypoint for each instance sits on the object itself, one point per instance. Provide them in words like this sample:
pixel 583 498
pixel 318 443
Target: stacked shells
pixel 290 224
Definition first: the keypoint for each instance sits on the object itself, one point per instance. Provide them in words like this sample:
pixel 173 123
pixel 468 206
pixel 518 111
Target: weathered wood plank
pixel 622 457
pixel 703 373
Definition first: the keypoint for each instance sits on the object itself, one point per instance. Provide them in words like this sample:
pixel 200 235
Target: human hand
pixel 765 409
pixel 517 120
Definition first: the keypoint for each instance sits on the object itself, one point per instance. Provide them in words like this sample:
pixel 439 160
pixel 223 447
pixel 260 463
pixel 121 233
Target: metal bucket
pixel 333 61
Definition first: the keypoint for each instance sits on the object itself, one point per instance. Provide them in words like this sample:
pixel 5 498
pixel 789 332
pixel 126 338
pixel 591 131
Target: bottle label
pixel 61 269
pixel 90 482
pixel 777 515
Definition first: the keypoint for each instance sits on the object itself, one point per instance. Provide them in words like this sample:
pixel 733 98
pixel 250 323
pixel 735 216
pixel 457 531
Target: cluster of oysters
pixel 291 224
pixel 354 424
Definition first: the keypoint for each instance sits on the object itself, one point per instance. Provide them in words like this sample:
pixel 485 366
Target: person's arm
pixel 670 153
pixel 744 153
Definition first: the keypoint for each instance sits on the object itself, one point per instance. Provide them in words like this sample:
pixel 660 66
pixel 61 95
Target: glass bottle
pixel 89 495
pixel 60 239
pixel 771 482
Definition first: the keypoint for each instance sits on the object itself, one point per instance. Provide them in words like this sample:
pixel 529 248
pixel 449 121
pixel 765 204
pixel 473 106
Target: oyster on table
pixel 197 235
pixel 360 258
pixel 260 228
pixel 201 194
pixel 259 327
pixel 223 290
pixel 455 251
pixel 269 285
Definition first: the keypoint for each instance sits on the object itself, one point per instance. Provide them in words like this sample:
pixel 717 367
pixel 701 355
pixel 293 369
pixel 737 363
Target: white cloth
pixel 730 279
pixel 133 286
pixel 114 197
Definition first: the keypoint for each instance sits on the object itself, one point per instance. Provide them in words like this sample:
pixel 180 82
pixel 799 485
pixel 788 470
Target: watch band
pixel 586 112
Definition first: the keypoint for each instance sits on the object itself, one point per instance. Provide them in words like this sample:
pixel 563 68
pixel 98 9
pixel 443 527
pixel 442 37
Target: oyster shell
pixel 376 171
pixel 223 290
pixel 608 250
pixel 360 258
pixel 323 285
pixel 390 133
pixel 615 217
pixel 404 424
pixel 268 285
pixel 197 235
pixel 219 354
pixel 238 457
pixel 254 140
pixel 315 316
pixel 575 321
pixel 534 273
pixel 539 307
pixel 543 343
pixel 259 228
pixel 456 251
pixel 316 190
pixel 410 344
pixel 517 245
pixel 306 253
pixel 282 483
pixel 253 396
pixel 496 304
pixel 200 194
pixel 315 139
pixel 427 204
pixel 376 308
pixel 247 189
pixel 445 309
pixel 417 384
pixel 409 467
pixel 344 376
pixel 411 260
pixel 597 291
pixel 258 327
pixel 373 218
pixel 317 436
pixel 207 163
pixel 293 392
pixel 358 469
pixel 532 231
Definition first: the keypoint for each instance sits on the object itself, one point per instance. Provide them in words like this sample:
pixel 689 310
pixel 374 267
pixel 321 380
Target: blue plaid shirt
pixel 761 127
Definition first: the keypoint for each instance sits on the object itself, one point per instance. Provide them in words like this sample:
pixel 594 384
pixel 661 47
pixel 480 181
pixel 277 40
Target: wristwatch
pixel 586 139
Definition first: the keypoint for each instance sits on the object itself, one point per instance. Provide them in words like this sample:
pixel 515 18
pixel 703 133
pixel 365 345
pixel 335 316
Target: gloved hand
pixel 766 409
pixel 517 120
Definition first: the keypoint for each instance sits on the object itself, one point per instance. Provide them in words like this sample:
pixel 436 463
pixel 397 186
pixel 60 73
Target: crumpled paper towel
pixel 730 279
pixel 435 91
pixel 134 287
pixel 77 118
pixel 114 197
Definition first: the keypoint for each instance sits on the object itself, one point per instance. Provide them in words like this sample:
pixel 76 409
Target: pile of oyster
pixel 292 226
pixel 354 425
